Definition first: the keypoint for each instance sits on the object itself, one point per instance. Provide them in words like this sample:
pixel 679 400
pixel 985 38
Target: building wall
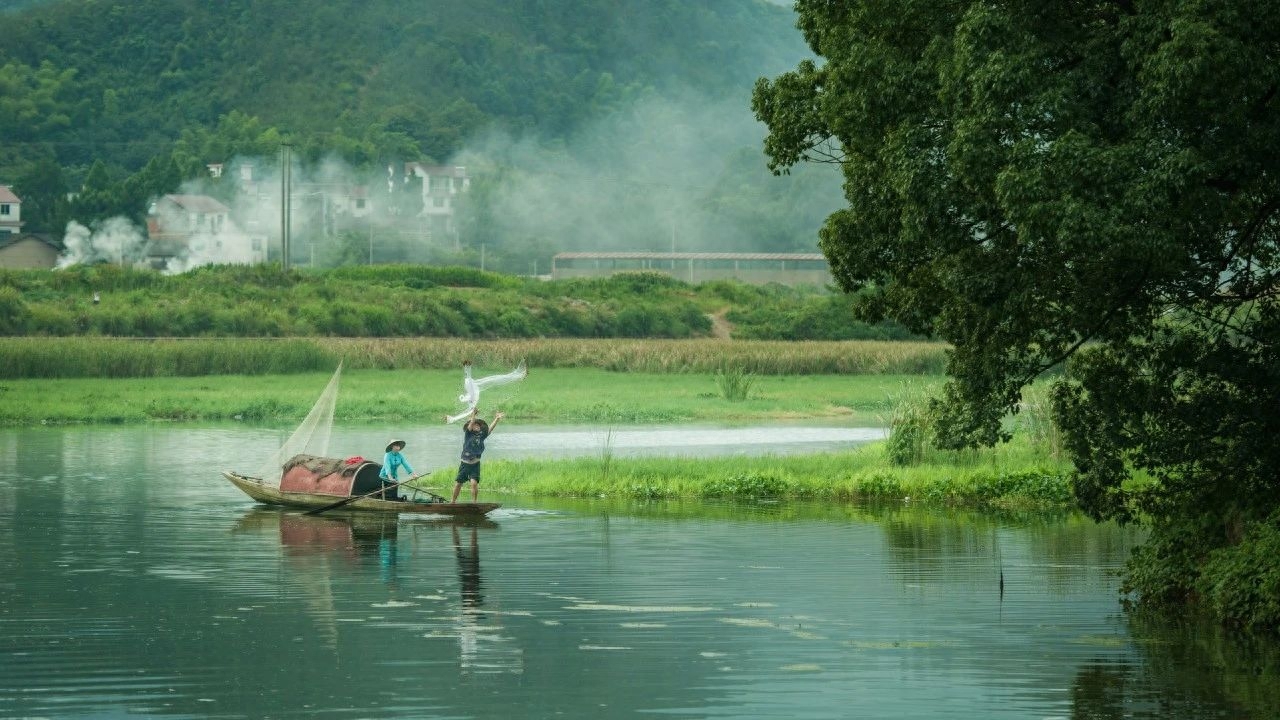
pixel 28 254
pixel 441 187
pixel 12 222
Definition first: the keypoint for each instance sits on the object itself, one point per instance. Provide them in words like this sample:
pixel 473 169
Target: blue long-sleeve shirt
pixel 391 464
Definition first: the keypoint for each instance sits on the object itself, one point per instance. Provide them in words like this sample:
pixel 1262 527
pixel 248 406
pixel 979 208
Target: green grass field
pixel 1027 473
pixel 555 395
pixel 1015 476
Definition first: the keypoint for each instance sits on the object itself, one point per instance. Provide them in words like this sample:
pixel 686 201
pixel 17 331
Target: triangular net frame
pixel 311 437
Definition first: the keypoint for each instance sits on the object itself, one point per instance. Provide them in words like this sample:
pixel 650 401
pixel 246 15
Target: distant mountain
pixel 586 124
pixel 122 79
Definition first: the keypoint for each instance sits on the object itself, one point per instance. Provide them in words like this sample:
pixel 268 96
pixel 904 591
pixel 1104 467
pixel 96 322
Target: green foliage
pixel 268 409
pixel 1241 582
pixel 43 189
pixel 59 358
pixel 999 201
pixel 747 485
pixel 107 77
pixel 911 426
pixel 377 300
pixel 1000 482
pixel 734 382
pixel 813 317
pixel 421 277
pixel 1162 572
pixel 879 485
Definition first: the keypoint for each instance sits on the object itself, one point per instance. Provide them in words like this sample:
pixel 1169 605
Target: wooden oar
pixel 344 501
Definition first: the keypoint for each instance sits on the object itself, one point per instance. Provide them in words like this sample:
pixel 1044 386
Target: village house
pixel 198 229
pixel 10 212
pixel 20 251
pixel 442 187
pixel 28 252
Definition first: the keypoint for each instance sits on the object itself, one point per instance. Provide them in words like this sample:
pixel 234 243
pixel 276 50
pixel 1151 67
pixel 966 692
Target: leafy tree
pixel 32 103
pixel 43 189
pixel 99 197
pixel 1090 182
pixel 160 176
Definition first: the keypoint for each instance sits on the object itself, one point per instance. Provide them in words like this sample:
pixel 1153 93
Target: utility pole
pixel 673 243
pixel 285 203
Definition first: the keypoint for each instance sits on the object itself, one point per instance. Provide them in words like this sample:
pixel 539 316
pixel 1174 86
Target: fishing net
pixel 311 437
pixel 472 386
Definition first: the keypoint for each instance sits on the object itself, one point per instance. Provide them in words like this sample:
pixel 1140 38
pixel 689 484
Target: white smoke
pixel 116 240
pixel 674 172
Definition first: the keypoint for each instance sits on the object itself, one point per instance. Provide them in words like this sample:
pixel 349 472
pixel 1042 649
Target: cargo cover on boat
pixel 330 476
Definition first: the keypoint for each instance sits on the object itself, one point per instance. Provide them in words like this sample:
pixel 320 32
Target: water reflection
pixel 322 550
pixel 482 645
pixel 143 584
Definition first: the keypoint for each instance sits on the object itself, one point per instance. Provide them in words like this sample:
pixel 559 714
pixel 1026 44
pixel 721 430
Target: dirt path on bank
pixel 720 328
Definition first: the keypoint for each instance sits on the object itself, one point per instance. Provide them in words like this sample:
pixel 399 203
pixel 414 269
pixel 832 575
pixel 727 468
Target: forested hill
pixel 118 80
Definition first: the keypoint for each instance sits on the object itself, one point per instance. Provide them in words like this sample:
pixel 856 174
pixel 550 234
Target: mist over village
pixel 617 358
pixel 676 184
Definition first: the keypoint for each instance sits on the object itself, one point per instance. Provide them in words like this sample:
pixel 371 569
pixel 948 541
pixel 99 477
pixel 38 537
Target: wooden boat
pixel 313 481
pixel 266 493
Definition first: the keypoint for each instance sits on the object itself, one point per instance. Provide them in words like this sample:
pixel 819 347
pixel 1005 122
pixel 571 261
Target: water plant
pixel 734 382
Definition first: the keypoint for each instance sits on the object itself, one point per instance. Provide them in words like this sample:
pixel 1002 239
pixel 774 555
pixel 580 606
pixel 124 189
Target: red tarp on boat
pixel 329 476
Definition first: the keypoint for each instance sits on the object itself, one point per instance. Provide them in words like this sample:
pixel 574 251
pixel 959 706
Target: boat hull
pixel 264 493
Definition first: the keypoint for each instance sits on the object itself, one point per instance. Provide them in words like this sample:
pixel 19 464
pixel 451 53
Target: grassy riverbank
pixel 1022 475
pixel 550 395
pixel 1018 476
pixel 105 357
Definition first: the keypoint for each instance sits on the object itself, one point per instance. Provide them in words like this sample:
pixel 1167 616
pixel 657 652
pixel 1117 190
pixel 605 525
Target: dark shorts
pixel 392 494
pixel 468 471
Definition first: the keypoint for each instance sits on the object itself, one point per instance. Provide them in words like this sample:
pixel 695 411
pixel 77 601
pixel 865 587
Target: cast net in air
pixel 311 437
pixel 471 387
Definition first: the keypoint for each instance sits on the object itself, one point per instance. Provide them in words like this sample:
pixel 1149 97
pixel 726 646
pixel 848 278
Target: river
pixel 137 582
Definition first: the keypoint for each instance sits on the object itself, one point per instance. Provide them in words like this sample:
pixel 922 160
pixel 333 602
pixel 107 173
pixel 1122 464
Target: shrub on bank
pixel 38 357
pixel 1018 483
pixel 144 303
pixel 1241 582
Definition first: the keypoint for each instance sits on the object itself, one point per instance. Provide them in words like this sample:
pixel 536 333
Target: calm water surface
pixel 135 581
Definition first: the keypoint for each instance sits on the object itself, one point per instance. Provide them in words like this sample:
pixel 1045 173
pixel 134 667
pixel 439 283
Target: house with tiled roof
pixel 10 212
pixel 28 252
pixel 198 229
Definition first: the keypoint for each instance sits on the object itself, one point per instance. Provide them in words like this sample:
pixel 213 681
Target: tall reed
pixel 911 426
pixel 112 357
pixel 734 382
pixel 146 357
pixel 1035 419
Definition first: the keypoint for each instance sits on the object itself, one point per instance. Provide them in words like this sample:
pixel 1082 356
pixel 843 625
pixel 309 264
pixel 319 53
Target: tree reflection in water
pixel 1188 665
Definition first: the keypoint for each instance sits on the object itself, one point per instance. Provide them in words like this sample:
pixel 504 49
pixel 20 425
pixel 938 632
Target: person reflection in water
pixel 472 595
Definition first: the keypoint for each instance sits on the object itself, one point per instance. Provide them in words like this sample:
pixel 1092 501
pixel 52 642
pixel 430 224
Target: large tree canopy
pixel 1094 181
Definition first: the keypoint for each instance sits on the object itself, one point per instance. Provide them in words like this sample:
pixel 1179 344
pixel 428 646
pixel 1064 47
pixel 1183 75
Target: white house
pixel 441 187
pixel 353 201
pixel 10 212
pixel 197 230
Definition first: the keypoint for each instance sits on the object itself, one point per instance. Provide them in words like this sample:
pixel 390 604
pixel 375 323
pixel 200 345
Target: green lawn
pixel 557 395
pixel 1025 473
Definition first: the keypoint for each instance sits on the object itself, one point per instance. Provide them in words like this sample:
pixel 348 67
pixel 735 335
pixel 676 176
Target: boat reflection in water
pixel 324 557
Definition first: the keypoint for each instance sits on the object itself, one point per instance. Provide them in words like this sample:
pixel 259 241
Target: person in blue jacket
pixel 392 462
